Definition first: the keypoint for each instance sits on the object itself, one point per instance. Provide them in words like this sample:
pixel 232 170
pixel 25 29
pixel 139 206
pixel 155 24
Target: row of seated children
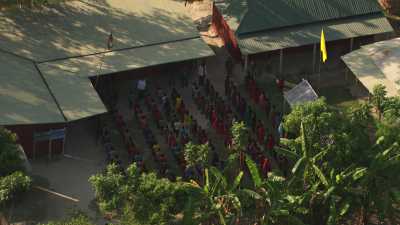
pixel 258 157
pixel 184 129
pixel 171 119
pixel 135 155
pixel 165 117
pixel 222 111
pixel 260 98
pixel 177 126
pixel 111 153
pixel 249 116
pixel 143 120
pixel 211 104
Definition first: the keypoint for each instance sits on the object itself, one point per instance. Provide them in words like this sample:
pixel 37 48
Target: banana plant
pixel 379 184
pixel 272 199
pixel 222 202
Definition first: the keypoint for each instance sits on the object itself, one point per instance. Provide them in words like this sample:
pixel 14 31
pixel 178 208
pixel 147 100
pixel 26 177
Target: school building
pixel 52 57
pixel 260 29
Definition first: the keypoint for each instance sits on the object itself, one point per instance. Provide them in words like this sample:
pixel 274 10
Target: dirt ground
pixel 66 175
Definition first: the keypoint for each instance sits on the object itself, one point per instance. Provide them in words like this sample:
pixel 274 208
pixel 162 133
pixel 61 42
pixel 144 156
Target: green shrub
pixel 10 160
pixel 13 185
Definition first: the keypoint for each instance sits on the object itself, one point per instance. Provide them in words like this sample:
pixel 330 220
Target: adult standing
pixel 229 66
pixel 141 87
pixel 202 72
pixel 252 69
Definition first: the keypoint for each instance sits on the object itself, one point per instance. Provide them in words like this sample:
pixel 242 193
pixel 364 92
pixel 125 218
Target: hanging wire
pixel 110 45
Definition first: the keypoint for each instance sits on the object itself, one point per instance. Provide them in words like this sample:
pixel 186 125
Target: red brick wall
pixel 225 33
pixel 25 138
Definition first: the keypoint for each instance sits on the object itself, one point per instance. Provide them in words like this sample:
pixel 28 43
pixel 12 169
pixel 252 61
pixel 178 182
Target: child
pixel 260 132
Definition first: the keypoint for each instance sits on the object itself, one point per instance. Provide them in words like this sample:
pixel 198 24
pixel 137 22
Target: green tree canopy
pixel 10 159
pixel 13 181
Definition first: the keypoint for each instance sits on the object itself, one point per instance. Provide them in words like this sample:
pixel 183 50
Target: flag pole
pixel 319 69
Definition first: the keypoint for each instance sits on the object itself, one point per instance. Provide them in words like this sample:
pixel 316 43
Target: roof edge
pixel 306 24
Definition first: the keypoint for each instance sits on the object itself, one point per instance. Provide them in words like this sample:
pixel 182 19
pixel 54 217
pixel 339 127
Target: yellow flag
pixel 323 47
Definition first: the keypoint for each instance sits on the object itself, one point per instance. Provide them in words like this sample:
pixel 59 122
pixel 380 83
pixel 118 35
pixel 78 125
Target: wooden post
pixel 34 149
pixel 246 62
pixel 346 73
pixel 280 61
pixel 64 140
pixel 319 69
pixel 50 147
pixel 351 44
pixel 314 57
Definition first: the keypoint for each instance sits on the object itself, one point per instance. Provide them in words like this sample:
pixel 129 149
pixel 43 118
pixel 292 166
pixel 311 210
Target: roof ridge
pixel 304 24
pixel 16 55
pixel 50 91
pixel 268 14
pixel 118 50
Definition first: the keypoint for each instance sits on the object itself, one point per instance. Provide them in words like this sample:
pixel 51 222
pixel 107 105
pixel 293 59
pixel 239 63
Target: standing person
pixel 262 100
pixel 265 165
pixel 195 90
pixel 280 83
pixel 270 142
pixel 247 116
pixel 272 117
pixel 131 96
pixel 185 73
pixel 202 72
pixel 280 130
pixel 178 103
pixel 227 86
pixel 254 122
pixel 260 132
pixel 229 66
pixel 267 107
pixel 252 69
pixel 141 87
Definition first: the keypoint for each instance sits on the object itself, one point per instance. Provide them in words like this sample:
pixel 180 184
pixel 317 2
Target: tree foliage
pixel 75 219
pixel 239 136
pixel 10 159
pixel 13 181
pixel 109 188
pixel 13 185
pixel 196 155
pixel 340 172
pixel 140 197
pixel 345 166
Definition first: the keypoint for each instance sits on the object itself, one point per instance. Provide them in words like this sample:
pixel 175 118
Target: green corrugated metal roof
pixel 69 79
pixel 75 94
pixel 310 34
pixel 131 59
pixel 82 27
pixel 67 42
pixel 233 11
pixel 24 98
pixel 366 71
pixel 273 14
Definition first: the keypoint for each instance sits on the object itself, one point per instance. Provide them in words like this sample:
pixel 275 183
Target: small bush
pixel 13 185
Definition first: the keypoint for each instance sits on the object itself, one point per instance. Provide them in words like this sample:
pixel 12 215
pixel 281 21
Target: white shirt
pixel 202 70
pixel 141 85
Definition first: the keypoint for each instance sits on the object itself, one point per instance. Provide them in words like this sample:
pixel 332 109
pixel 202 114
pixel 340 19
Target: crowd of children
pixel 168 112
pixel 222 113
pixel 173 121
